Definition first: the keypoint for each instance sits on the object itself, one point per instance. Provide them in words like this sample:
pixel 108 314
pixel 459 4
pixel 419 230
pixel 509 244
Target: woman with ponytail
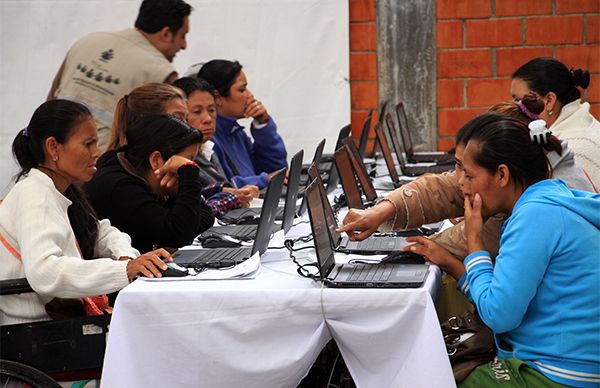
pixel 541 298
pixel 567 117
pixel 49 234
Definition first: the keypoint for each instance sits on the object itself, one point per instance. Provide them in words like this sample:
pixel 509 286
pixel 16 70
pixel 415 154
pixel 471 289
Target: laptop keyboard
pixel 371 272
pixel 372 244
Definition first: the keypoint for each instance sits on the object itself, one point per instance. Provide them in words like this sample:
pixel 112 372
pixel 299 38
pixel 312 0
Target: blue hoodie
pixel 253 160
pixel 542 298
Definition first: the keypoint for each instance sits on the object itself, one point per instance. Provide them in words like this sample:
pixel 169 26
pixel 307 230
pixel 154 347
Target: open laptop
pixel 316 160
pixel 364 135
pixel 285 213
pixel 387 157
pixel 366 183
pixel 227 257
pixel 413 170
pixel 348 180
pixel 411 155
pixel 355 275
pixel 326 160
pixel 372 245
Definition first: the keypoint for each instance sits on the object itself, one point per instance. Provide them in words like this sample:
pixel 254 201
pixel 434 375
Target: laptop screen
pixel 393 137
pixel 364 136
pixel 268 212
pixel 387 154
pixel 291 196
pixel 325 256
pixel 404 130
pixel 329 214
pixel 319 152
pixel 361 170
pixel 344 167
pixel 344 133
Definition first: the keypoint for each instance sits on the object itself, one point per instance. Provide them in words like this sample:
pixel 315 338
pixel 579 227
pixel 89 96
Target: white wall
pixel 294 52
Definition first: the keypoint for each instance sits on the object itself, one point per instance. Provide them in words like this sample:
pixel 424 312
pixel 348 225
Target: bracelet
pixel 191 163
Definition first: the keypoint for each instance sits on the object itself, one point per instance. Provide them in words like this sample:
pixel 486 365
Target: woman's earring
pixel 550 113
pixel 55 158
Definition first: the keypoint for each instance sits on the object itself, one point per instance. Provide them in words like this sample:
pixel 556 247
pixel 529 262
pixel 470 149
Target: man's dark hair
pixel 154 15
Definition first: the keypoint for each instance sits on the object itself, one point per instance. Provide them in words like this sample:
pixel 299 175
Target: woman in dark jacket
pixel 150 187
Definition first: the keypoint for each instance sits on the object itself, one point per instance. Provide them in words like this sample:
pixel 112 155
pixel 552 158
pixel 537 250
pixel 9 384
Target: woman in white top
pixel 48 232
pixel 567 117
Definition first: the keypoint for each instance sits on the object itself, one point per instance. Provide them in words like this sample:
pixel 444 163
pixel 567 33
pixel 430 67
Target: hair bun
pixel 581 78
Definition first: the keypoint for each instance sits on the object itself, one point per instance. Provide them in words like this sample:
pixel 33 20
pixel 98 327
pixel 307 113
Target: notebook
pixel 364 135
pixel 360 170
pixel 413 170
pixel 287 213
pixel 341 243
pixel 326 162
pixel 348 180
pixel 226 257
pixel 316 160
pixel 355 275
pixel 411 155
pixel 387 156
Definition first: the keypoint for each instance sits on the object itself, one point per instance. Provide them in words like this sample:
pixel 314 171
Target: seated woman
pixel 158 98
pixel 202 115
pixel 245 162
pixel 133 187
pixel 49 234
pixel 435 197
pixel 567 117
pixel 542 297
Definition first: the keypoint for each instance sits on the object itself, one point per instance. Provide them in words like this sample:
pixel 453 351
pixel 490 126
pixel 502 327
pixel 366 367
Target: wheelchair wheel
pixel 14 374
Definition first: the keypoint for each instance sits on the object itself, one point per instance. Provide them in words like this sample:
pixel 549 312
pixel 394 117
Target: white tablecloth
pixel 268 331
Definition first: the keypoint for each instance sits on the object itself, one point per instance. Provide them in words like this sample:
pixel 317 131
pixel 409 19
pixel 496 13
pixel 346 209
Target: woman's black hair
pixel 221 74
pixel 163 133
pixel 190 85
pixel 506 140
pixel 58 119
pixel 546 74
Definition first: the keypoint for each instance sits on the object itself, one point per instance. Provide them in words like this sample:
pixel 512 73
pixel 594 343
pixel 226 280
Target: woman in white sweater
pixel 566 116
pixel 48 232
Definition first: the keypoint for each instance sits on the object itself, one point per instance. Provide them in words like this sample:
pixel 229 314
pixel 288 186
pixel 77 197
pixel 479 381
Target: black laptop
pixel 316 160
pixel 413 170
pixel 226 257
pixel 384 146
pixel 355 275
pixel 285 213
pixel 372 245
pixel 411 155
pixel 348 179
pixel 364 179
pixel 364 135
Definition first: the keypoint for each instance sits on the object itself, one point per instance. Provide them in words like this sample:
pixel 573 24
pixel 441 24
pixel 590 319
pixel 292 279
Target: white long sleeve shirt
pixel 34 225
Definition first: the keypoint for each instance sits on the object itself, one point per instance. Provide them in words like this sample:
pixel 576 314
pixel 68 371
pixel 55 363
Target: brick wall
pixel 363 61
pixel 480 43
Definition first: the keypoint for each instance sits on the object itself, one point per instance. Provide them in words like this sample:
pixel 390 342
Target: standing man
pixel 102 67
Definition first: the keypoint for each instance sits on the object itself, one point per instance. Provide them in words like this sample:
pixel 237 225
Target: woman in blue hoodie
pixel 542 297
pixel 246 162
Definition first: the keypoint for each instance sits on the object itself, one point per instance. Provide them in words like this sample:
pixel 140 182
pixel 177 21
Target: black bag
pixel 469 343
